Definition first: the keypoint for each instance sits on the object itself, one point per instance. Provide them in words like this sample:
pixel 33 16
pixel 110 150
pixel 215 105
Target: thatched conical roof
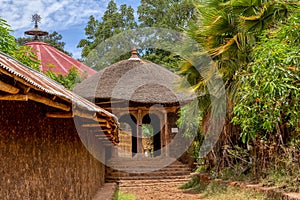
pixel 133 80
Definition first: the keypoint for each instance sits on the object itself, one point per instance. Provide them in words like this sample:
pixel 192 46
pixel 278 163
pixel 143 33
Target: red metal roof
pixel 57 61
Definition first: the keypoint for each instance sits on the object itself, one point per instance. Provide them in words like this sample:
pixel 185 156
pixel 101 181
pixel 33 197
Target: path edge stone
pixel 106 192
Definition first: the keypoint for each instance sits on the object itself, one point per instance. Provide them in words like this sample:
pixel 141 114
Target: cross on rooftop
pixel 36 19
pixel 36 31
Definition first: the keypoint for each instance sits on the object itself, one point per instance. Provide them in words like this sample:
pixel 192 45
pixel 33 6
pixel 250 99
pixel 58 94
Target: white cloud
pixel 67 17
pixel 56 14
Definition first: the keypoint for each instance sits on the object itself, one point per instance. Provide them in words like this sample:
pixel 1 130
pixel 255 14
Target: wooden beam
pixel 85 115
pixel 61 115
pixel 101 136
pixel 48 102
pixel 17 97
pixel 25 88
pixel 108 144
pixel 15 77
pixel 101 120
pixel 116 101
pixel 93 125
pixel 103 129
pixel 8 88
pixel 107 132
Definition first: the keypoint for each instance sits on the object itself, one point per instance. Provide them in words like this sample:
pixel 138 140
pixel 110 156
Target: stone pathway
pixel 169 190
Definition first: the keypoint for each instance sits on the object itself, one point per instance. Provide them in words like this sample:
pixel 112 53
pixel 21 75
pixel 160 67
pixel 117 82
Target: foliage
pixel 54 39
pixel 7 41
pixel 9 46
pixel 147 130
pixel 69 80
pixel 228 31
pixel 191 183
pixel 190 119
pixel 173 14
pixel 113 22
pixel 123 196
pixel 269 90
pixel 169 14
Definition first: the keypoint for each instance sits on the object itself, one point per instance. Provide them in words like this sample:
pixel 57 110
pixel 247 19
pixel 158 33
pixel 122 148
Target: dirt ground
pixel 160 192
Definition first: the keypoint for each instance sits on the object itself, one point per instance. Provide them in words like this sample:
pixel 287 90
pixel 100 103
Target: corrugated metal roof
pixel 54 60
pixel 43 83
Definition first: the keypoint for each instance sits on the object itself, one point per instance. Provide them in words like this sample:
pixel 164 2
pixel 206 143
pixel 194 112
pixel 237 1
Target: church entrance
pixel 147 143
pixel 151 135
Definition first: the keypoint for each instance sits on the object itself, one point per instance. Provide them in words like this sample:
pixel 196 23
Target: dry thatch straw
pixel 43 158
pixel 138 81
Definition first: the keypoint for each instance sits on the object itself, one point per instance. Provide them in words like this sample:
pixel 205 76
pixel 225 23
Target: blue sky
pixel 67 17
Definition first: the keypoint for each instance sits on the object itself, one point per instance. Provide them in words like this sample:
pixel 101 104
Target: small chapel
pixel 145 98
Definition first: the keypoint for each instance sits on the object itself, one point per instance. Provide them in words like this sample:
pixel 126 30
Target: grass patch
pixel 191 184
pixel 285 179
pixel 194 185
pixel 123 196
pixel 219 191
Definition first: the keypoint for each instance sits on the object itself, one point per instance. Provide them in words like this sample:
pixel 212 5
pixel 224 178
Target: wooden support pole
pixel 139 133
pixel 167 134
pixel 62 115
pixel 8 88
pixel 48 102
pixel 17 97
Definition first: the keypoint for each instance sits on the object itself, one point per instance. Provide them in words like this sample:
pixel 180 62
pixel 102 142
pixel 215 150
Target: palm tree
pixel 228 30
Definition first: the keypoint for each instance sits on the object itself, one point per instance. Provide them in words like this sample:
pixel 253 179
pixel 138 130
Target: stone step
pixel 139 165
pixel 149 178
pixel 145 165
pixel 153 182
pixel 142 170
pixel 136 170
pixel 144 162
pixel 142 176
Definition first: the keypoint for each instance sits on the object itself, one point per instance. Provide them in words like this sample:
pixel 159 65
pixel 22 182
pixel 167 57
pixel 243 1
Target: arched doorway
pixel 127 146
pixel 151 135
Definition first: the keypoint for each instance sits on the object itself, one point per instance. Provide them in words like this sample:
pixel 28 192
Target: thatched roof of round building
pixel 133 80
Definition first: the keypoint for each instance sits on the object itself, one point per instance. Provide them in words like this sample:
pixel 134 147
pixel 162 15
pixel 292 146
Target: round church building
pixel 146 99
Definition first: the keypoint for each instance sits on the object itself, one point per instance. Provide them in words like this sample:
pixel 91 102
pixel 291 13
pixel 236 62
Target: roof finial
pixel 36 19
pixel 36 31
pixel 134 55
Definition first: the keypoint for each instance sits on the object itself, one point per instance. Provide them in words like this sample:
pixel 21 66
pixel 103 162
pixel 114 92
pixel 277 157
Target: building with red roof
pixel 51 58
pixel 54 60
